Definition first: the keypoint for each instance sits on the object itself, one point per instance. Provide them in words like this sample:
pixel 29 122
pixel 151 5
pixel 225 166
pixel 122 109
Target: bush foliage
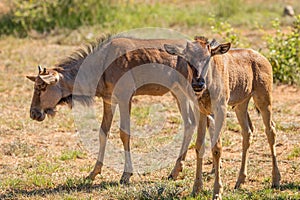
pixel 284 53
pixel 224 30
pixel 113 15
pixel 47 15
pixel 283 48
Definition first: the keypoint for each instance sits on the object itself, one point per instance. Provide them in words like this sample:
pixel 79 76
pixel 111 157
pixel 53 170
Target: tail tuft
pixel 257 110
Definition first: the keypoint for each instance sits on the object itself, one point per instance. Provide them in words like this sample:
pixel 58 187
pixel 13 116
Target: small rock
pixel 288 11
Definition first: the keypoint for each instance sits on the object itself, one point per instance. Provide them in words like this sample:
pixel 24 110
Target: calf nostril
pixel 34 114
pixel 201 84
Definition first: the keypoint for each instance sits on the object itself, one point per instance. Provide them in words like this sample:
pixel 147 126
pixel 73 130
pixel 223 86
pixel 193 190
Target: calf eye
pixel 41 87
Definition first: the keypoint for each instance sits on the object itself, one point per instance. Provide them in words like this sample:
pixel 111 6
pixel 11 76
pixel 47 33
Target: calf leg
pixel 108 112
pixel 189 125
pixel 125 137
pixel 178 166
pixel 247 128
pixel 211 130
pixel 200 150
pixel 220 114
pixel 264 106
pixel 217 153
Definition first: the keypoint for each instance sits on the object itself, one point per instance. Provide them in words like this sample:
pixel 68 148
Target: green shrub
pixel 226 32
pixel 111 15
pixel 284 53
pixel 47 15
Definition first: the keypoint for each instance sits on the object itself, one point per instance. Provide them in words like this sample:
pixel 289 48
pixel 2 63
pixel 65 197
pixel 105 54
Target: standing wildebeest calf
pixel 229 77
pixel 102 66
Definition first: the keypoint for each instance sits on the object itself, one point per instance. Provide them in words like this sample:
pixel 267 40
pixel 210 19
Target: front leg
pixel 220 115
pixel 108 112
pixel 189 125
pixel 200 150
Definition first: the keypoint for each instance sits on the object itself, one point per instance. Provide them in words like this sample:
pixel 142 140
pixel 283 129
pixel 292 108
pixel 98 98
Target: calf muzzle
pixel 35 114
pixel 198 85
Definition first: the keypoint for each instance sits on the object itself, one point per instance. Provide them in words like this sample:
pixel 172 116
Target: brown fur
pixel 47 96
pixel 232 78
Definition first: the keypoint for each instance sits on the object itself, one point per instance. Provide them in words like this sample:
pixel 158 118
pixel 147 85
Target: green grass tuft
pixel 141 114
pixel 72 155
pixel 295 153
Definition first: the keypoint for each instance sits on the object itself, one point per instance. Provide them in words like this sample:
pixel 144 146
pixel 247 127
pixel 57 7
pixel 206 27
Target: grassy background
pixel 221 19
pixel 121 15
pixel 47 160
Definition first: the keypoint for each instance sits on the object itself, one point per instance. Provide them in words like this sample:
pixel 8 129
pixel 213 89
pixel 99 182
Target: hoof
pixel 175 172
pixel 217 197
pixel 218 190
pixel 197 187
pixel 240 181
pixel 276 181
pixel 96 171
pixel 195 192
pixel 237 186
pixel 125 178
pixel 91 177
pixel 170 177
pixel 276 185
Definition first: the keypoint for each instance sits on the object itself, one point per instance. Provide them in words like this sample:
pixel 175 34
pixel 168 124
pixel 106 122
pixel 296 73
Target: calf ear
pixel 173 50
pixel 32 78
pixel 49 78
pixel 220 49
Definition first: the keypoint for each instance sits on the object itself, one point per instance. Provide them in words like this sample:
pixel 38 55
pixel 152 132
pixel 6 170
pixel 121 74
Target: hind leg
pixel 125 138
pixel 247 129
pixel 263 103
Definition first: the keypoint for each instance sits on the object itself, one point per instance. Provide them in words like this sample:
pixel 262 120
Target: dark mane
pixel 205 41
pixel 69 67
pixel 201 39
pixel 80 54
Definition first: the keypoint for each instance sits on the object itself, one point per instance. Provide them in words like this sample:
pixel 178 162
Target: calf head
pixel 47 93
pixel 198 54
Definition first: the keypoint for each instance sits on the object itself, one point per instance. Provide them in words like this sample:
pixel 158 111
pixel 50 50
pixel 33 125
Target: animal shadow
pixel 62 188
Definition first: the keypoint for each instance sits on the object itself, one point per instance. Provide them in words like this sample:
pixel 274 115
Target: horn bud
pixel 40 69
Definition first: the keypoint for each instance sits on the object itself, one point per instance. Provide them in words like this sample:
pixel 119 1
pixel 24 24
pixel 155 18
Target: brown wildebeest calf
pixel 229 77
pixel 101 68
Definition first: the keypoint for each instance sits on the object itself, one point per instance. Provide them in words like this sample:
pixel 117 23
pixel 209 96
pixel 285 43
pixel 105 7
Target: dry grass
pixel 47 160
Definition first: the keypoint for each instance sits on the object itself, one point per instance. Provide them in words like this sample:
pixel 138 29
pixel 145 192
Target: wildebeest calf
pixel 229 77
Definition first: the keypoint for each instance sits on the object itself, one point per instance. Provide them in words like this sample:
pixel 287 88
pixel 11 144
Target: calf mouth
pixel 199 90
pixel 50 112
pixel 40 115
pixel 41 118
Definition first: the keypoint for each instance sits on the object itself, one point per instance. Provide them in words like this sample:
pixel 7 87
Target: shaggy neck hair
pixel 69 68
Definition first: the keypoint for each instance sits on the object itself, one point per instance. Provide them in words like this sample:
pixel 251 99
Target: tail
pixel 257 110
